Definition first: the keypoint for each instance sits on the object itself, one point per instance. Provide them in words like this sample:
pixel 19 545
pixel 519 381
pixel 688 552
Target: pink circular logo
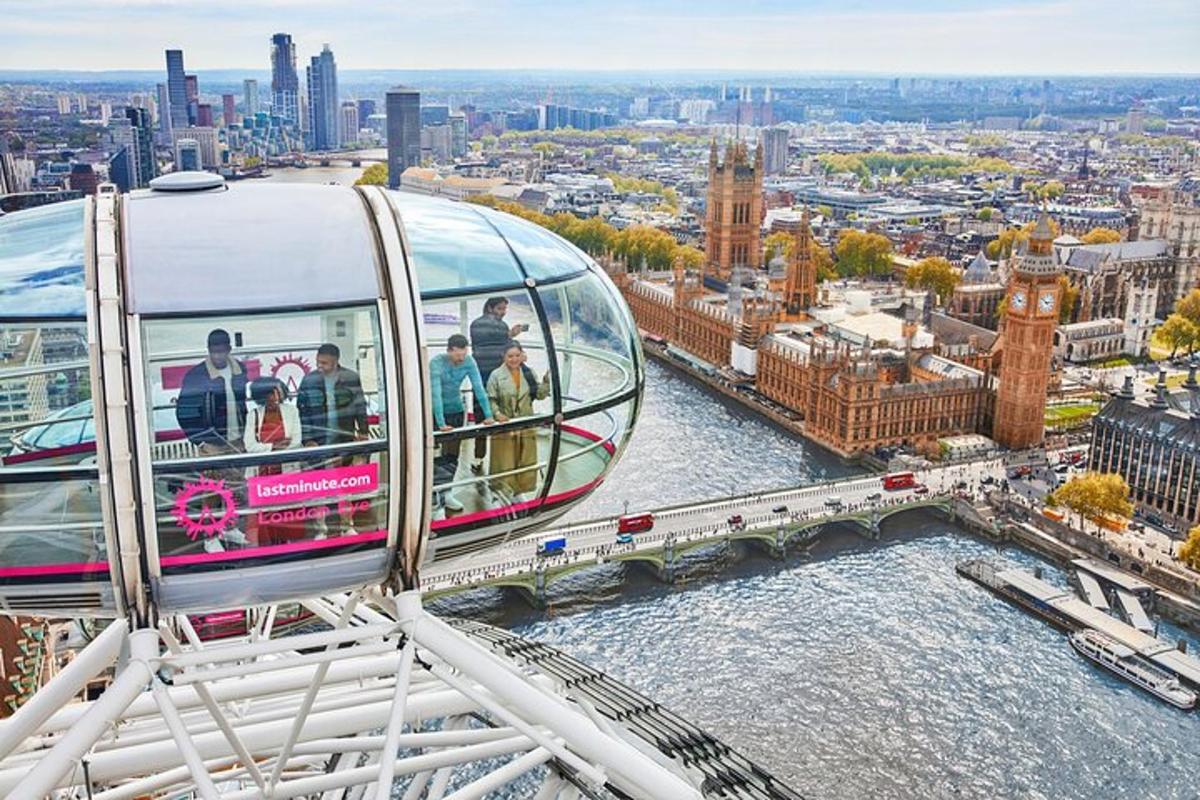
pixel 204 519
pixel 291 369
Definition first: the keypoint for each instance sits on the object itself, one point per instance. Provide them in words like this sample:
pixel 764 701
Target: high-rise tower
pixel 176 90
pixel 734 210
pixel 1033 298
pixel 285 83
pixel 323 106
pixel 403 132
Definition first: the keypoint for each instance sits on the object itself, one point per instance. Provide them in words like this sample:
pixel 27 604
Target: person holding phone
pixel 490 337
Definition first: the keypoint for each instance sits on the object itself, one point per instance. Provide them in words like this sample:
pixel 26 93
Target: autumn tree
pixel 985 214
pixel 1101 236
pixel 1189 551
pixel 936 274
pixel 1179 333
pixel 1189 307
pixel 374 175
pixel 779 243
pixel 1004 244
pixel 1095 494
pixel 863 254
pixel 1069 296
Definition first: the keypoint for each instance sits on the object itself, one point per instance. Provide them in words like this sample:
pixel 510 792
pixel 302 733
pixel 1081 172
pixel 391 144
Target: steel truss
pixel 388 701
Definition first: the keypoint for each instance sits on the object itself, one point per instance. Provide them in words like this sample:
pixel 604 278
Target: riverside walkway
pixel 774 520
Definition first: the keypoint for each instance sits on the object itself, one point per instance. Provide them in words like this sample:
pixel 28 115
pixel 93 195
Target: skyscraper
pixel 144 167
pixel 323 102
pixel 176 89
pixel 403 131
pixel 349 123
pixel 250 98
pixel 775 150
pixel 228 110
pixel 204 115
pixel 164 111
pixel 191 87
pixel 285 83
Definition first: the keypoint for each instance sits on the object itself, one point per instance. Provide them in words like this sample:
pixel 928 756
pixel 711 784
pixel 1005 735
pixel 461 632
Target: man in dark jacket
pixel 490 336
pixel 332 407
pixel 211 408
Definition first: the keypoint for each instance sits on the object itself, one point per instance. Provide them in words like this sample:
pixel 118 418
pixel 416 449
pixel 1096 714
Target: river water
pixel 861 670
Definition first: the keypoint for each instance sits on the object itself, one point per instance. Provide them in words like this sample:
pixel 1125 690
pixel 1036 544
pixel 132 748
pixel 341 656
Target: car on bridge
pixel 552 546
pixel 736 521
pixel 779 510
pixel 921 489
pixel 624 538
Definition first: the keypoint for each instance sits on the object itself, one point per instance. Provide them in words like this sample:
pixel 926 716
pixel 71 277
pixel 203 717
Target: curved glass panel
pixel 251 247
pixel 589 447
pixel 270 437
pixel 592 339
pixel 542 254
pixel 453 247
pixel 41 262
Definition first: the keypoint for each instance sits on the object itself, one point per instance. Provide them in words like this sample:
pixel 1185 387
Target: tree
pixel 1004 244
pixel 985 214
pixel 1189 307
pixel 374 175
pixel 934 273
pixel 863 254
pixel 825 211
pixel 826 270
pixel 779 243
pixel 1095 494
pixel 1189 551
pixel 1069 294
pixel 1101 236
pixel 1179 333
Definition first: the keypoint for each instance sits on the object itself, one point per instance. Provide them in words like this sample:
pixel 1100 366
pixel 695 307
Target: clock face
pixel 1046 303
pixel 1018 300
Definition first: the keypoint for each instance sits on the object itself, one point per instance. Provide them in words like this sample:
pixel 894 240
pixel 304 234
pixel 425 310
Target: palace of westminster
pixel 873 365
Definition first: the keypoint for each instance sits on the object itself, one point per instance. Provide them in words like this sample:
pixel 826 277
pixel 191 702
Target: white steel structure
pixel 254 395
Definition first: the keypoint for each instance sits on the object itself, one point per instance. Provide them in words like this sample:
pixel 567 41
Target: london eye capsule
pixel 217 396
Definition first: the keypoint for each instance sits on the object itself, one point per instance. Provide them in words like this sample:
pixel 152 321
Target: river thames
pixel 862 670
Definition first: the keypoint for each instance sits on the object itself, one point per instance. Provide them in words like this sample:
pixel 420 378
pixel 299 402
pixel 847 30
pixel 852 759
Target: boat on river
pixel 1127 664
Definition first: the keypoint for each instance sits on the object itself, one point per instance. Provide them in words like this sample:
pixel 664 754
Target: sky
pixel 1025 37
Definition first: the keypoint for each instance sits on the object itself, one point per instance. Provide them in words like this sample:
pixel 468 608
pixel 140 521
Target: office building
pixel 228 110
pixel 434 115
pixel 204 116
pixel 323 105
pixel 1154 446
pixel 403 132
pixel 366 110
pixel 250 97
pixel 775 150
pixel 177 99
pixel 144 166
pixel 285 82
pixel 187 155
pixel 191 88
pixel 205 139
pixel 164 110
pixel 83 178
pixel 458 135
pixel 64 104
pixel 349 122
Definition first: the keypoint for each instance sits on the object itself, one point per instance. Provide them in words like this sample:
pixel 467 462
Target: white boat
pixel 1126 663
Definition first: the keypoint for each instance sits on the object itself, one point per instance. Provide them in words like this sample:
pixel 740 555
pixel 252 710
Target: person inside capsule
pixel 511 389
pixel 447 371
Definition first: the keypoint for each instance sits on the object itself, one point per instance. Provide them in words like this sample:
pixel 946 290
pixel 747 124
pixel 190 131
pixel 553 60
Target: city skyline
pixel 1001 37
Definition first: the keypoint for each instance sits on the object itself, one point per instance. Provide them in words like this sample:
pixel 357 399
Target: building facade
pixel 403 132
pixel 1028 344
pixel 734 211
pixel 323 105
pixel 775 150
pixel 250 97
pixel 176 110
pixel 1094 340
pixel 285 82
pixel 1155 447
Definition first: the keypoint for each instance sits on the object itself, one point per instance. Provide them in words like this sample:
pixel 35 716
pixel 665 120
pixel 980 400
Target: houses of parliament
pixel 864 367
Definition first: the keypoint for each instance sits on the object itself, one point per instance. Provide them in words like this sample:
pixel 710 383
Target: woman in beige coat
pixel 511 388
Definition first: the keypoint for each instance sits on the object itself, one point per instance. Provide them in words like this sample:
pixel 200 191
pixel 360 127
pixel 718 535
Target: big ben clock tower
pixel 1033 298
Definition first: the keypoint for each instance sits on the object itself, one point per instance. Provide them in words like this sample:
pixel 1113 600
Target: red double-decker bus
pixel 635 523
pixel 899 480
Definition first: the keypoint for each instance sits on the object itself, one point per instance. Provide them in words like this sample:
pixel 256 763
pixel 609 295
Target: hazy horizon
pixel 975 38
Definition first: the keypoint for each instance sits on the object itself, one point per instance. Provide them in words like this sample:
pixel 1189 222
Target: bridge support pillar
pixel 874 523
pixel 667 573
pixel 539 587
pixel 779 548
